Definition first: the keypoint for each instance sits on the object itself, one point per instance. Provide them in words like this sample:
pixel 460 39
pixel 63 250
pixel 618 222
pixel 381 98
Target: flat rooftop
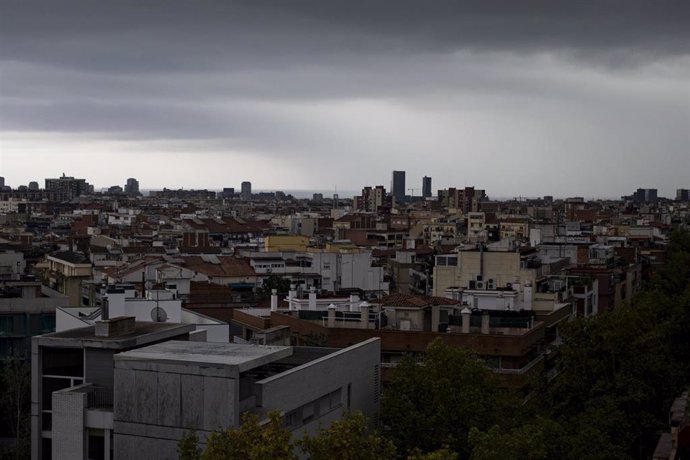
pixel 244 357
pixel 143 333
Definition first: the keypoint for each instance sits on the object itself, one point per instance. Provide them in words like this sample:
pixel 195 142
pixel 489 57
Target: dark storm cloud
pixel 290 76
pixel 169 35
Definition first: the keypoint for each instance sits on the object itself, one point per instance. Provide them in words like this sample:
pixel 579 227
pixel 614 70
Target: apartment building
pixel 329 269
pixel 64 272
pixel 26 309
pixel 496 265
pixel 513 342
pixel 68 419
pixel 125 389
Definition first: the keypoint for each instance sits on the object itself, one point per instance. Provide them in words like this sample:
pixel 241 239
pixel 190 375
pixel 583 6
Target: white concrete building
pixel 160 305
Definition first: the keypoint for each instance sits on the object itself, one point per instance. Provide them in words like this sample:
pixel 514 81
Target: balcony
pixel 99 397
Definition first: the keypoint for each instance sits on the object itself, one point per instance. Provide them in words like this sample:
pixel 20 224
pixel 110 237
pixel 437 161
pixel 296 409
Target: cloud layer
pixel 518 98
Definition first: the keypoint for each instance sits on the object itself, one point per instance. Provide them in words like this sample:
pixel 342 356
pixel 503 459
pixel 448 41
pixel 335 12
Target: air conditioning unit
pixel 480 285
pixel 491 284
pixel 473 284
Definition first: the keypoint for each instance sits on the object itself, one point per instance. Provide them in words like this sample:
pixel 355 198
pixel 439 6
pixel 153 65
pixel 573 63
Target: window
pixel 329 402
pixel 292 417
pixel 308 413
pixel 6 325
pixel 446 261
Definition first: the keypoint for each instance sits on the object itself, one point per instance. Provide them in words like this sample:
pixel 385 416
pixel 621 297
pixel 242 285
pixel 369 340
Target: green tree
pixel 347 439
pixel 434 404
pixel 15 404
pixel 540 438
pixel 441 454
pixel 188 446
pixel 277 282
pixel 251 441
pixel 620 372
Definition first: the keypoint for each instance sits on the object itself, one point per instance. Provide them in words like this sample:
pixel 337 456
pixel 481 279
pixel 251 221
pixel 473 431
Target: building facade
pixel 398 186
pixel 246 190
pixel 132 187
pixel 426 187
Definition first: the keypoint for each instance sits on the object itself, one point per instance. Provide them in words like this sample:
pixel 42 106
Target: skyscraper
pixel 426 187
pixel 398 186
pixel 246 189
pixel 132 186
pixel 645 195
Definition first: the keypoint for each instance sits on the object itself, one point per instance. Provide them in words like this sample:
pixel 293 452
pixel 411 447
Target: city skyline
pixel 343 193
pixel 586 100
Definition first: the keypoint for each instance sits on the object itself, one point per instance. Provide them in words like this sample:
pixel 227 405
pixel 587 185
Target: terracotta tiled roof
pixel 225 225
pixel 226 266
pixel 122 270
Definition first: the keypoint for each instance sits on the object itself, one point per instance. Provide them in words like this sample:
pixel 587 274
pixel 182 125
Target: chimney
pixel 312 298
pixel 104 311
pixel 120 325
pixel 292 294
pixel 466 313
pixel 116 301
pixel 528 303
pixel 485 322
pixel 354 302
pixel 435 317
pixel 274 300
pixel 364 314
pixel 331 315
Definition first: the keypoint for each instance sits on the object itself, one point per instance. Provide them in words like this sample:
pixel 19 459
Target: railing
pixel 522 370
pixel 99 397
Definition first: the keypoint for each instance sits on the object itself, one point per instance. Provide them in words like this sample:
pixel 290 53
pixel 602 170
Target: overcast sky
pixel 518 98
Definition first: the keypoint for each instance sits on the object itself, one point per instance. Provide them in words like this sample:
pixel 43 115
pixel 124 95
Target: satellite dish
pixel 159 315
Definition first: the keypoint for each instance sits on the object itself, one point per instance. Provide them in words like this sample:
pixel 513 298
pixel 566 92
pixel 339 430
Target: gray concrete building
pixel 165 389
pixel 132 187
pixel 72 385
pixel 246 190
pixel 26 309
pixel 124 389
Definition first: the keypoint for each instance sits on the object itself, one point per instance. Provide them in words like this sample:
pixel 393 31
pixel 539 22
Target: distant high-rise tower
pixel 246 189
pixel 68 186
pixel 2 182
pixel 33 186
pixel 426 187
pixel 398 186
pixel 645 195
pixel 132 186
